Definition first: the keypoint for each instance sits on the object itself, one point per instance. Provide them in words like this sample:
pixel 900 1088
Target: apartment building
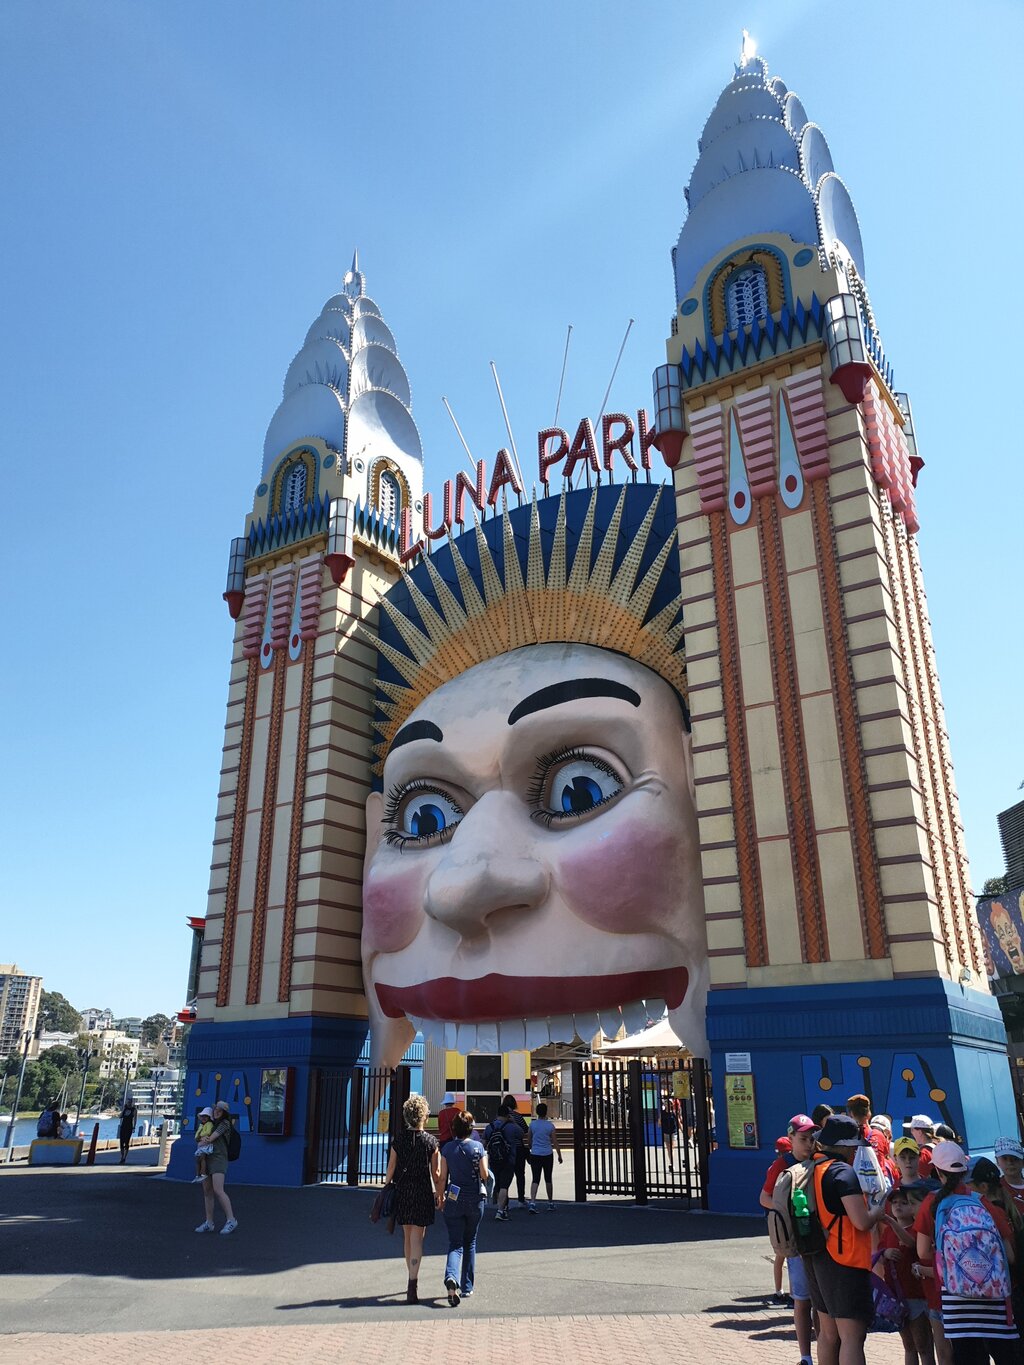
pixel 19 1005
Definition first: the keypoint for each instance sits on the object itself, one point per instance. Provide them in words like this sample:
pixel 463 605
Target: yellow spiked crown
pixel 620 593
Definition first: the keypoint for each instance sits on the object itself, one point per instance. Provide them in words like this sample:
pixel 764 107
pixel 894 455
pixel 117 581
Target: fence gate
pixel 642 1128
pixel 356 1113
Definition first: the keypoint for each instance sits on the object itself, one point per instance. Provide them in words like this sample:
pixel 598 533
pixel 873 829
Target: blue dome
pixel 763 167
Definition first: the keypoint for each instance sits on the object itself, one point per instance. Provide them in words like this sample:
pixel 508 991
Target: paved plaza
pixel 102 1265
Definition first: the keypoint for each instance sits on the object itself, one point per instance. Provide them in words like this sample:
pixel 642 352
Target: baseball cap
pixel 783 1144
pixel 801 1123
pixel 449 1098
pixel 905 1144
pixel 1008 1146
pixel 206 1113
pixel 949 1156
pixel 986 1170
pixel 840 1130
pixel 882 1121
pixel 922 1121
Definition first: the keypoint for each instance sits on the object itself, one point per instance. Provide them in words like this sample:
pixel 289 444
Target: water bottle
pixel 801 1213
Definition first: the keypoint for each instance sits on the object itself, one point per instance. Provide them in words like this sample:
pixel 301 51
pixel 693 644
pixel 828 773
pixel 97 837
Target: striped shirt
pixel 977 1318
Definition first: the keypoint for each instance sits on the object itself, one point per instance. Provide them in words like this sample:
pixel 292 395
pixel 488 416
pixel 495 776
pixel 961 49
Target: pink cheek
pixel 625 878
pixel 392 909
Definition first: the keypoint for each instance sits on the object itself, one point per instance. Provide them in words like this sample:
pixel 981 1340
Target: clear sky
pixel 184 186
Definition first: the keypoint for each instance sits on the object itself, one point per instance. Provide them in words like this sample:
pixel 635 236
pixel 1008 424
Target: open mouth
pixel 505 1013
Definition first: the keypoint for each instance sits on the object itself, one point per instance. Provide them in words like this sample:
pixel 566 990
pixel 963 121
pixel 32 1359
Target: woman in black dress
pixel 415 1168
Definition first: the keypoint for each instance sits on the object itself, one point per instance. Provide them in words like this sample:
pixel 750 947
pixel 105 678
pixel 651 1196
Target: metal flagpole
pixel 508 426
pixel 469 454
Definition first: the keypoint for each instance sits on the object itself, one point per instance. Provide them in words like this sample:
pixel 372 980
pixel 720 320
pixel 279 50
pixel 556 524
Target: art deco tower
pixel 280 982
pixel 845 955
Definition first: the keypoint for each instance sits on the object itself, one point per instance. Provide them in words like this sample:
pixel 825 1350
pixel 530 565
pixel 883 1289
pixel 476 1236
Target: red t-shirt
pixel 774 1171
pixel 925 1222
pixel 1016 1193
pixel 444 1123
pixel 900 1270
pixel 924 1163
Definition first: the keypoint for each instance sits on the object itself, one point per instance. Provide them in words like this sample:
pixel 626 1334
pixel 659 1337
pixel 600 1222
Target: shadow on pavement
pixel 142 1229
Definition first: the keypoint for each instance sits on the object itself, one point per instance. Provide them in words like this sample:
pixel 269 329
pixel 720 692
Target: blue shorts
pixel 916 1308
pixel 797 1278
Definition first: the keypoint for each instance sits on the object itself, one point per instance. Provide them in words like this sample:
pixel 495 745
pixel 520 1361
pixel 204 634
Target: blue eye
pixel 578 786
pixel 426 814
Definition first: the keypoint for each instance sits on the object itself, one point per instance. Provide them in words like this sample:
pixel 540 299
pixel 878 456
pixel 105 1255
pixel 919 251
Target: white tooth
pixel 655 1010
pixel 417 1023
pixel 611 1022
pixel 451 1035
pixel 537 1034
pixel 634 1016
pixel 586 1026
pixel 512 1035
pixel 433 1031
pixel 562 1028
pixel 487 1037
pixel 466 1042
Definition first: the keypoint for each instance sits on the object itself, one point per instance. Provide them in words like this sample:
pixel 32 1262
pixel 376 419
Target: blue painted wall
pixel 919 1046
pixel 225 1061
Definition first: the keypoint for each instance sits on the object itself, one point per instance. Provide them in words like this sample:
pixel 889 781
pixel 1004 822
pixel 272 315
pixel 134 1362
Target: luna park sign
pixel 557 455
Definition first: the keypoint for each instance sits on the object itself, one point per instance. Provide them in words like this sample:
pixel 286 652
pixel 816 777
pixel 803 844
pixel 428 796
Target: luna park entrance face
pixel 642 1128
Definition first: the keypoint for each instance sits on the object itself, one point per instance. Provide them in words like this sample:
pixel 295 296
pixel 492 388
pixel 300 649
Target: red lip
pixel 488 999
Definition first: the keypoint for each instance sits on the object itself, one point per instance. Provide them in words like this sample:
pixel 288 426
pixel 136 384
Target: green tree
pixel 995 886
pixel 57 1014
pixel 153 1027
pixel 65 1059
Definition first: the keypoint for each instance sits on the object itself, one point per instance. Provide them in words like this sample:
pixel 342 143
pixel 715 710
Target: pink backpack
pixel 970 1258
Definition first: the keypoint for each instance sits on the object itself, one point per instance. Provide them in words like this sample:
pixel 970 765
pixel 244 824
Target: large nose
pixel 488 868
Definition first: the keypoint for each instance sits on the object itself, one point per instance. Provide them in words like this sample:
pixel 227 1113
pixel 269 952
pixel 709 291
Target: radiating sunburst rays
pixel 501 611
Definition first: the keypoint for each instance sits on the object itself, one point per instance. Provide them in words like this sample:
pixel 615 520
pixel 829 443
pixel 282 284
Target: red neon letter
pixel 407 550
pixel 622 443
pixel 504 473
pixel 478 495
pixel 546 460
pixel 428 511
pixel 647 438
pixel 584 447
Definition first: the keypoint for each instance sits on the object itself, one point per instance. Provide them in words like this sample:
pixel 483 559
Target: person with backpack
pixel 986 1179
pixel 972 1245
pixel 788 1225
pixel 839 1275
pixel 783 1158
pixel 226 1143
pixel 503 1141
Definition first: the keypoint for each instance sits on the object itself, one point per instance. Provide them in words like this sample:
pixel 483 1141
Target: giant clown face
pixel 532 867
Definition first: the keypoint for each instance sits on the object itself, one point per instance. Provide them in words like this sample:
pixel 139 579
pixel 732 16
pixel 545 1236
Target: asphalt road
pixel 113 1249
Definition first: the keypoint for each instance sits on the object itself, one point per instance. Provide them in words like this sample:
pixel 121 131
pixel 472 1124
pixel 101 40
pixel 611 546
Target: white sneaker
pixel 229 1226
pixel 206 1227
pixel 199 1180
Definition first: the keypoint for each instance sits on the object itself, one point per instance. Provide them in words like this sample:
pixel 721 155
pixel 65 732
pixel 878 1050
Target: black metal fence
pixel 642 1128
pixel 356 1113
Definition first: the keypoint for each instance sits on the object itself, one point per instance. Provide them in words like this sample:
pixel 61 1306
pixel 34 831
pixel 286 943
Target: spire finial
pixel 748 48
pixel 355 261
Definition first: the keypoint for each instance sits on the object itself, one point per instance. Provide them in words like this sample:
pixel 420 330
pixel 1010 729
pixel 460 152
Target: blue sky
pixel 185 185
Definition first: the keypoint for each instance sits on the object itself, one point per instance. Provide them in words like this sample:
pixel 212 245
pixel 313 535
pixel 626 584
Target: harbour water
pixel 25 1129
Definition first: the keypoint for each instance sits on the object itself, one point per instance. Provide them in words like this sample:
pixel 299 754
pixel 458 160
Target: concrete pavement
pixel 104 1263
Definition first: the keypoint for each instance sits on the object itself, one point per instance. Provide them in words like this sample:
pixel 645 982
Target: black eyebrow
pixel 418 729
pixel 573 690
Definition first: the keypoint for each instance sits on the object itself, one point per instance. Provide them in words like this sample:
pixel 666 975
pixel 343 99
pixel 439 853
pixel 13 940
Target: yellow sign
pixel 681 1085
pixel 740 1110
pixel 383 1120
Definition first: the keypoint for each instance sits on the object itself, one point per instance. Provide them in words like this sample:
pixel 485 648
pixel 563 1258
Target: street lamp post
pixel 84 1054
pixel 26 1039
pixel 129 1068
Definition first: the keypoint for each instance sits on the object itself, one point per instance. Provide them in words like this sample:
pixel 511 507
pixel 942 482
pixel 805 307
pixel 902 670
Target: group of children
pixel 907 1164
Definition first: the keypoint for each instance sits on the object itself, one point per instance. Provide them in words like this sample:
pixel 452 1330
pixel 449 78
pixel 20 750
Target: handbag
pixel 383 1206
pixel 890 1306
